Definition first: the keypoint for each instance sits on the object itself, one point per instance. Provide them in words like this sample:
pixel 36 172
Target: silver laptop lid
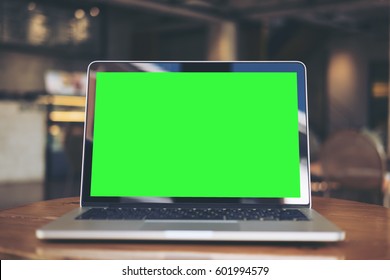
pixel 196 133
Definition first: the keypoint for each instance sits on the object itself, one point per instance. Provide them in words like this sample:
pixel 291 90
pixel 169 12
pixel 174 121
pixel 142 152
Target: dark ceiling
pixel 349 15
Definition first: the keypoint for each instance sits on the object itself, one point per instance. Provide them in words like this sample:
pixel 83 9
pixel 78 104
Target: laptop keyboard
pixel 192 214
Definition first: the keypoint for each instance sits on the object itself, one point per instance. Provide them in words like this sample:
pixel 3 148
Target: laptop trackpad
pixel 190 226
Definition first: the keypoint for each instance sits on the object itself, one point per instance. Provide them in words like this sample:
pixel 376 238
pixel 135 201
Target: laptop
pixel 195 151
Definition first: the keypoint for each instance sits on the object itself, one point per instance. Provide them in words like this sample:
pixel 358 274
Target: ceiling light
pixel 94 12
pixel 31 6
pixel 79 14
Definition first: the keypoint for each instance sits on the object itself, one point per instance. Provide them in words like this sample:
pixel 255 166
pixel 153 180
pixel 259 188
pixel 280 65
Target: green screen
pixel 232 134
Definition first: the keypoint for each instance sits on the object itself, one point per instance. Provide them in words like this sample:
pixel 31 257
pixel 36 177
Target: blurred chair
pixel 355 162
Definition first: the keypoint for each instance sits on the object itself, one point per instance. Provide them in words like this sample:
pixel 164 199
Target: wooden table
pixel 367 228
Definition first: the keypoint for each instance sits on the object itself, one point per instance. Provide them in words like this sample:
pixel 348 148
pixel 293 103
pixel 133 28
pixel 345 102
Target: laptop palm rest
pixel 204 226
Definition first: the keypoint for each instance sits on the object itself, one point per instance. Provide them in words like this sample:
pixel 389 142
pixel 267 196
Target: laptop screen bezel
pixel 198 66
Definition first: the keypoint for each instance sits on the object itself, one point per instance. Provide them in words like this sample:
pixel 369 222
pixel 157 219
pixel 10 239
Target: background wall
pixel 22 152
pixel 348 80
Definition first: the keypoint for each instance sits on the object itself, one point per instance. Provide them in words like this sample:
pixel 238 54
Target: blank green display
pixel 231 134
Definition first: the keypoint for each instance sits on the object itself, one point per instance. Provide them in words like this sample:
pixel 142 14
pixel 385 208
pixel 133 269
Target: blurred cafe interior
pixel 46 46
